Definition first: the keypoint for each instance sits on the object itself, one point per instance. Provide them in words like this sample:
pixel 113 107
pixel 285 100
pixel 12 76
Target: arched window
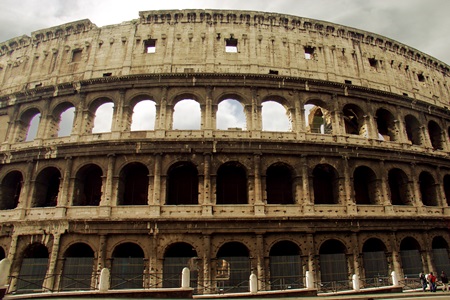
pixel 386 125
pixel 231 184
pixel 318 118
pixel 333 263
pixel 78 268
pixel 47 188
pixel 428 189
pixel 88 186
pixel 434 131
pixel 127 267
pixel 103 118
pixel 325 185
pixel 10 189
pixel 279 186
pixel 374 258
pixel 182 184
pixel 176 257
pixel 33 268
pixel 231 115
pixel 447 188
pixel 410 256
pixel 399 187
pixel 365 186
pixel 144 116
pixel 275 117
pixel 187 115
pixel 133 185
pixel 233 268
pixel 28 126
pixel 354 120
pixel 413 130
pixel 286 271
pixel 62 120
pixel 440 254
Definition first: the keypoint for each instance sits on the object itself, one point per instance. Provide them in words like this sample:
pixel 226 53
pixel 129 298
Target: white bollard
pixel 355 281
pixel 394 278
pixel 253 284
pixel 309 280
pixel 5 265
pixel 103 285
pixel 185 278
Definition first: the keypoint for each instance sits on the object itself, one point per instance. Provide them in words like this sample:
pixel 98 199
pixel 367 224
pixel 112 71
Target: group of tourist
pixel 429 280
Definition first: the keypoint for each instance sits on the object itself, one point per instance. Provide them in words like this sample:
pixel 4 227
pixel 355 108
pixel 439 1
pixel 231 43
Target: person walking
pixel 423 281
pixel 444 280
pixel 432 280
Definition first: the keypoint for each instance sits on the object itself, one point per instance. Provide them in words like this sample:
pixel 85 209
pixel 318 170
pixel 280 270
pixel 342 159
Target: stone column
pixel 206 259
pixel 207 205
pixel 258 203
pixel 64 192
pixel 26 194
pixel 50 276
pixel 356 255
pixel 348 201
pixel 310 252
pixel 155 206
pixel 161 114
pixel 383 197
pixel 396 265
pixel 417 197
pixel 440 192
pixel 207 111
pixel 14 272
pixel 308 203
pixel 260 261
pixel 107 187
pixel 400 124
pixel 299 113
pixel 116 127
pixel 256 115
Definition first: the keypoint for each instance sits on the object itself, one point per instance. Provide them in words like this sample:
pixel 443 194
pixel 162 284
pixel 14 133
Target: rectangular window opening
pixel 150 46
pixel 273 72
pixel 76 55
pixel 421 77
pixel 373 62
pixel 231 45
pixel 348 82
pixel 309 52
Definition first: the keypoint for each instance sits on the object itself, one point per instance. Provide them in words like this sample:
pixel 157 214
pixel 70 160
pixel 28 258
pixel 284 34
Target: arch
pixel 413 131
pixel 375 259
pixel 231 186
pixel 10 189
pixel 46 188
pixel 88 186
pixel 231 115
pixel 354 120
pixel 435 132
pixel 33 268
pixel 29 125
pixel 232 268
pixel 285 266
pixel 103 116
pixel 410 257
pixel 332 260
pixel 386 125
pixel 398 187
pixel 78 267
pixel 317 117
pixel 2 253
pixel 447 189
pixel 428 189
pixel 275 117
pixel 176 257
pixel 187 115
pixel 127 266
pixel 144 115
pixel 325 184
pixel 63 117
pixel 133 185
pixel 365 185
pixel 279 184
pixel 182 184
pixel 440 255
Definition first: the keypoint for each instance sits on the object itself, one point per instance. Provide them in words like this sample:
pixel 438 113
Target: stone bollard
pixel 355 281
pixel 253 284
pixel 394 278
pixel 103 285
pixel 185 278
pixel 309 280
pixel 5 265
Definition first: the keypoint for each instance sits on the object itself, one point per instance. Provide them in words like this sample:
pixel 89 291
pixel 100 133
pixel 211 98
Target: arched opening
pixel 354 120
pixel 133 185
pixel 144 116
pixel 32 127
pixel 88 186
pixel 187 115
pixel 398 187
pixel 410 256
pixel 33 268
pixel 62 121
pixel 318 118
pixel 177 257
pixel 10 189
pixel 285 264
pixel 447 188
pixel 182 184
pixel 375 261
pixel 279 187
pixel 333 263
pixel 232 268
pixel 231 184
pixel 365 185
pixel 230 115
pixel 413 130
pixel 46 188
pixel 103 118
pixel 275 117
pixel 325 185
pixel 78 268
pixel 386 125
pixel 2 253
pixel 428 189
pixel 127 267
pixel 434 130
pixel 441 255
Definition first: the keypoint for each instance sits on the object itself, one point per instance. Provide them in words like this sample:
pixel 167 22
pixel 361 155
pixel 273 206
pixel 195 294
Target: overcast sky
pixel 422 24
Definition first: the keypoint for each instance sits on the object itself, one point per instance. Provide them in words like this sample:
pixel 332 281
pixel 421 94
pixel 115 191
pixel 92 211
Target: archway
pixel 187 115
pixel 398 187
pixel 231 184
pixel 127 267
pixel 230 115
pixel 434 130
pixel 233 268
pixel 333 263
pixel 144 116
pixel 413 130
pixel 285 266
pixel 103 118
pixel 279 186
pixel 325 185
pixel 365 185
pixel 275 117
pixel 182 184
pixel 33 268
pixel 133 185
pixel 10 189
pixel 411 259
pixel 440 255
pixel 88 186
pixel 375 261
pixel 177 257
pixel 78 268
pixel 428 189
pixel 47 188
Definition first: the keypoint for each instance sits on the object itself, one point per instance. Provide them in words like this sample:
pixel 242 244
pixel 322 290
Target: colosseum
pixel 351 178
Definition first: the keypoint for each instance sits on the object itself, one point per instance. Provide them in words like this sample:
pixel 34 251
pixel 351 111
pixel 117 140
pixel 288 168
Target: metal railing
pixel 333 286
pixel 375 282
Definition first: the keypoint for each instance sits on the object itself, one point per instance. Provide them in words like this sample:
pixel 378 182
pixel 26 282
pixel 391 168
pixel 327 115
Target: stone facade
pixel 363 173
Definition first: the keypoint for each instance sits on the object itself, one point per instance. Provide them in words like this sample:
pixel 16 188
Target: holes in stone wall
pixel 231 45
pixel 150 46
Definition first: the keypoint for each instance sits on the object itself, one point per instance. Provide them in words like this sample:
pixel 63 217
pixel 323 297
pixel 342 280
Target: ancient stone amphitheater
pixel 358 183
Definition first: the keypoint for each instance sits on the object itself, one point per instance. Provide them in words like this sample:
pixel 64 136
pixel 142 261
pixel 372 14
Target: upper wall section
pixel 219 41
